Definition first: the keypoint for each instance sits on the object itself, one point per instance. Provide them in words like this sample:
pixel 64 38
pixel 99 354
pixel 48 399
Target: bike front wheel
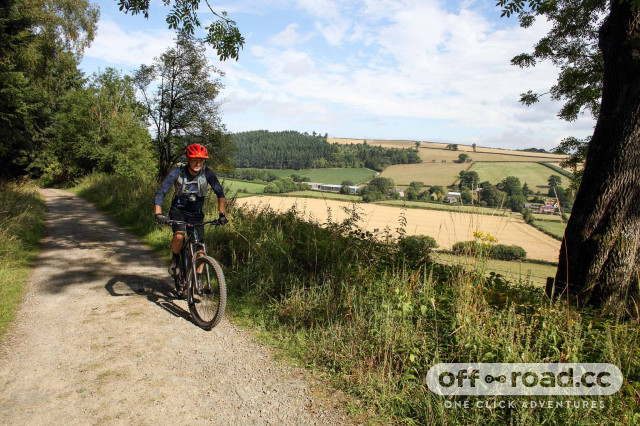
pixel 206 292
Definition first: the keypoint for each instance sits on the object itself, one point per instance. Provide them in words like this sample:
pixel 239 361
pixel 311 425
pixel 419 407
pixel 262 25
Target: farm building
pixel 332 188
pixel 452 196
pixel 549 207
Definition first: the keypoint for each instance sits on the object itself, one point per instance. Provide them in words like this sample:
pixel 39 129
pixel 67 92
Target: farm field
pixel 533 273
pixel 555 228
pixel 321 194
pixel 501 153
pixel 333 176
pixel 429 173
pixel 549 217
pixel 534 174
pixel 445 226
pixel 233 185
pixel 450 207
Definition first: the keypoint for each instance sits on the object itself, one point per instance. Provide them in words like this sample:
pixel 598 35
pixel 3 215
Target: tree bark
pixel 599 259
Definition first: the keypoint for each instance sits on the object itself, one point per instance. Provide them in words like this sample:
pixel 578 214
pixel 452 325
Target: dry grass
pixel 438 165
pixel 515 271
pixel 501 153
pixel 429 173
pixel 446 227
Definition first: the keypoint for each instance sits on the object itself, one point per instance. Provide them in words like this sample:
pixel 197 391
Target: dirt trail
pixel 100 339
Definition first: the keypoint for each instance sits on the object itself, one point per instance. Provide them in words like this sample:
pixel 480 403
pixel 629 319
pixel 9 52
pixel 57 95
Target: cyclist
pixel 190 184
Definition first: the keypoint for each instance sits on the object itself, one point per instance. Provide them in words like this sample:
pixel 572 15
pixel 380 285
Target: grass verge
pixel 22 224
pixel 373 317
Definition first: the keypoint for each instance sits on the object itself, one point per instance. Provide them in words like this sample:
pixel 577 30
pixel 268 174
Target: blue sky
pixel 375 69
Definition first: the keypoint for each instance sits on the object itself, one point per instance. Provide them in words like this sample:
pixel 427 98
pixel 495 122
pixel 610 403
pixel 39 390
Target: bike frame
pixel 189 251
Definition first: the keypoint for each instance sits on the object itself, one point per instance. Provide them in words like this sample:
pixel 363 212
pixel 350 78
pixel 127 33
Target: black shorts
pixel 176 214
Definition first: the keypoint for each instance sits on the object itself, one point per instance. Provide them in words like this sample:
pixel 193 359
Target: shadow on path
pixel 156 291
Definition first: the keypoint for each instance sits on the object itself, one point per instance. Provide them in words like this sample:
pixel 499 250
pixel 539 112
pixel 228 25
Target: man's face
pixel 195 164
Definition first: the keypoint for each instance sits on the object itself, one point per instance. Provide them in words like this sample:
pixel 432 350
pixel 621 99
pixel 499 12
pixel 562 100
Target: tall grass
pixel 22 216
pixel 375 318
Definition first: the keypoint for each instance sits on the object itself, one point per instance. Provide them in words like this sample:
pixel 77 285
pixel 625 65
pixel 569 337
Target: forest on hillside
pixel 294 150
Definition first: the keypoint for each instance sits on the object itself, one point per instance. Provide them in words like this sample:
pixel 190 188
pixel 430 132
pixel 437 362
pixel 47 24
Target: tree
pixel 418 144
pixel 40 43
pixel 452 146
pixel 492 195
pixel 577 151
pixel 474 146
pixel 222 34
pixel 464 158
pixel 382 184
pixel 510 185
pixel 526 191
pixel 416 186
pixel 599 257
pixel 468 180
pixel 554 180
pixel 180 97
pixel 466 196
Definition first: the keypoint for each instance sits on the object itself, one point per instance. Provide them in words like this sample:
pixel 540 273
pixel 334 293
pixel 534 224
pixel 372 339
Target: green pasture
pixel 231 186
pixel 449 207
pixel 552 227
pixel 334 176
pixel 534 174
pixel 320 194
pixel 514 271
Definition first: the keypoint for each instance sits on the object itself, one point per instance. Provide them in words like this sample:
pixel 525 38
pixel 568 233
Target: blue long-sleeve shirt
pixel 187 202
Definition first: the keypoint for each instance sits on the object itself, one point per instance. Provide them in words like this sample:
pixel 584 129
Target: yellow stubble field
pixel 438 165
pixel 446 227
pixel 490 154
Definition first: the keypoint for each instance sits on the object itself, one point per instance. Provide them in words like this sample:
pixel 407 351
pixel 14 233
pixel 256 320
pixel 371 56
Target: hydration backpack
pixel 185 178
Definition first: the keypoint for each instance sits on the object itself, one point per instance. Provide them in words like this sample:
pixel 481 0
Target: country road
pixel 100 338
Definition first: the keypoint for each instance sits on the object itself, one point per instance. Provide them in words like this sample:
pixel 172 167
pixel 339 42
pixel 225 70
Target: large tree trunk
pixel 599 256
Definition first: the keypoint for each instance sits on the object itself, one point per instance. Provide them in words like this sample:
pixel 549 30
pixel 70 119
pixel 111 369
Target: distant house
pixel 549 207
pixel 452 196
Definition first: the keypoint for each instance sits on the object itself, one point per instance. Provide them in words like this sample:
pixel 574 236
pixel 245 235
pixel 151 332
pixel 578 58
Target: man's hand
pixel 223 219
pixel 162 219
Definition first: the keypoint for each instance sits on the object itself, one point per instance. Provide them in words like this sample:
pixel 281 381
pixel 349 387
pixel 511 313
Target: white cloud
pixel 413 59
pixel 117 46
pixel 289 36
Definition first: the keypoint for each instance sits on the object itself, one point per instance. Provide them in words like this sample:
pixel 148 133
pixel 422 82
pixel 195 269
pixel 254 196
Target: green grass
pixel 232 185
pixel 373 317
pixel 334 176
pixel 548 217
pixel 450 207
pixel 534 174
pixel 554 228
pixel 514 271
pixel 22 217
pixel 320 194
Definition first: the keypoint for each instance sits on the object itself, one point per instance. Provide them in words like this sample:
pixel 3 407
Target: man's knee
pixel 179 235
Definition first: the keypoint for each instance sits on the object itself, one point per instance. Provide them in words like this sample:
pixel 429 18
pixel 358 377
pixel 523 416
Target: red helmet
pixel 197 151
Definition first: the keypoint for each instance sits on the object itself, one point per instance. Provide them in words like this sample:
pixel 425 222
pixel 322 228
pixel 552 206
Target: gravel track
pixel 100 339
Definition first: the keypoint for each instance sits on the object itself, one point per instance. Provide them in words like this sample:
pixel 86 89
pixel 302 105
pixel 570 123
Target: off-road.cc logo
pixel 524 379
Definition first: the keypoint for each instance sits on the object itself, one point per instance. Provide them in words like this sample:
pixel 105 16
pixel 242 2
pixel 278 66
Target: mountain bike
pixel 200 278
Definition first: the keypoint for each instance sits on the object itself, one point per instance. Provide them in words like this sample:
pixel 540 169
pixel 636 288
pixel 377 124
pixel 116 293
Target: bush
pixel 503 252
pixel 415 249
pixel 498 251
pixel 527 216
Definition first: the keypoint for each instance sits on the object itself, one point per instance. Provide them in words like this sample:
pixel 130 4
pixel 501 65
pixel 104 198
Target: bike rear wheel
pixel 207 293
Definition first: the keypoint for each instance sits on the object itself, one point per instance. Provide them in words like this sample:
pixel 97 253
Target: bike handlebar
pixel 193 225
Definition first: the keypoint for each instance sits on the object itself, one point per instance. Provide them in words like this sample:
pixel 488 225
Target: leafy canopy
pixel 571 45
pixel 222 34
